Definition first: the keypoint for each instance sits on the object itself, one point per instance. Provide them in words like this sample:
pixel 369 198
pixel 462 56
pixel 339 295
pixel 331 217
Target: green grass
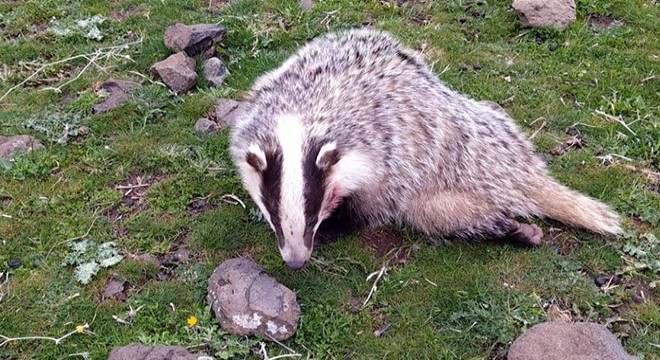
pixel 466 301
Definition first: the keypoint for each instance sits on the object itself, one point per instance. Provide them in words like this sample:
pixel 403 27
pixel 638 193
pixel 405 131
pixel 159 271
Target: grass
pixel 467 301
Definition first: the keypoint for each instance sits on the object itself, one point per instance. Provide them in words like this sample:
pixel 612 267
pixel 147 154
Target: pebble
pixel 602 280
pixel 476 66
pixel 14 263
pixel 552 47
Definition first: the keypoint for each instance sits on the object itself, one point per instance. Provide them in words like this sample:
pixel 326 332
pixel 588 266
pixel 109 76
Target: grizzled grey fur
pixel 437 160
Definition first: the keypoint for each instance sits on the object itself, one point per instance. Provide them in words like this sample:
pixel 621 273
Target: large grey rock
pixel 22 143
pixel 118 91
pixel 248 301
pixel 567 341
pixel 177 72
pixel 195 40
pixel 215 71
pixel 142 352
pixel 545 13
pixel 228 111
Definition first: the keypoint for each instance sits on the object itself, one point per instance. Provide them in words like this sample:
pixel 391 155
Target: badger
pixel 355 131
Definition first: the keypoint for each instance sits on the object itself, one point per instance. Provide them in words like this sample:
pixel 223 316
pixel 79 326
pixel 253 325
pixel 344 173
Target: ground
pixel 436 300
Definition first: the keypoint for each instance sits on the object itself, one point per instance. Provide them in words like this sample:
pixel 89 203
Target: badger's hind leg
pixel 466 216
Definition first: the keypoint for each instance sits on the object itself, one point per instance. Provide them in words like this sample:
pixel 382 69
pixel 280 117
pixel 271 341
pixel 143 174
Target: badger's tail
pixel 570 207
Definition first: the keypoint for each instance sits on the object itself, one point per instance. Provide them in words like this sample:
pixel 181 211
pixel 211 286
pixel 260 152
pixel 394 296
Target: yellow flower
pixel 80 328
pixel 192 321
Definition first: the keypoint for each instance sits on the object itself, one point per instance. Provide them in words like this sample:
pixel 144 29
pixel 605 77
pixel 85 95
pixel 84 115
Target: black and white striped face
pixel 291 184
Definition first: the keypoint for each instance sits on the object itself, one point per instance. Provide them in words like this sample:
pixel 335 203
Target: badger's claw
pixel 525 234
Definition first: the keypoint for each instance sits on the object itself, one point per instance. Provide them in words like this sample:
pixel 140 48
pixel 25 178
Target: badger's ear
pixel 328 156
pixel 256 158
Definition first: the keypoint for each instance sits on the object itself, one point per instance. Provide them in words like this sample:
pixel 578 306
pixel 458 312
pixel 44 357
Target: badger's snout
pixel 295 251
pixel 295 257
pixel 295 264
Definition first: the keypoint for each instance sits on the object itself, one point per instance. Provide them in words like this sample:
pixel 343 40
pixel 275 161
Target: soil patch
pixel 601 22
pixel 213 6
pixel 134 197
pixel 385 243
pixel 122 15
pixel 419 20
pixel 201 204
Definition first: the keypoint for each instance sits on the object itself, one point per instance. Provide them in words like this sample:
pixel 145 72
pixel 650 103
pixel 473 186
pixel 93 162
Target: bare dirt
pixel 385 243
pixel 601 22
pixel 122 15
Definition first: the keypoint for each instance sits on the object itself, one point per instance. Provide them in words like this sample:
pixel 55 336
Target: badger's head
pixel 297 182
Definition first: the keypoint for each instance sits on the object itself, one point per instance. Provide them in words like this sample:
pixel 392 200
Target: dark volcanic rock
pixel 228 111
pixel 23 143
pixel 561 340
pixel 215 71
pixel 195 40
pixel 545 13
pixel 118 92
pixel 177 72
pixel 248 301
pixel 142 352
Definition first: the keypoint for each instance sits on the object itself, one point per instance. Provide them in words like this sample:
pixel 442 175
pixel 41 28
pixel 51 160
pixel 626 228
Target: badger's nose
pixel 295 264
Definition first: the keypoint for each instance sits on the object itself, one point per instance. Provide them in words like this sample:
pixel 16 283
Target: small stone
pixel 14 263
pixel 539 40
pixel 118 92
pixel 556 340
pixel 462 20
pixel 355 306
pixel 177 72
pixel 197 204
pixel 642 294
pixel 142 352
pixel 545 13
pixel 22 143
pixel 215 71
pixel 307 5
pixel 572 131
pixel 476 66
pixel 195 40
pixel 463 68
pixel 148 259
pixel 601 280
pixel 247 301
pixel 480 2
pixel 552 47
pixel 36 263
pixel 112 288
pixel 228 111
pixel 205 126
